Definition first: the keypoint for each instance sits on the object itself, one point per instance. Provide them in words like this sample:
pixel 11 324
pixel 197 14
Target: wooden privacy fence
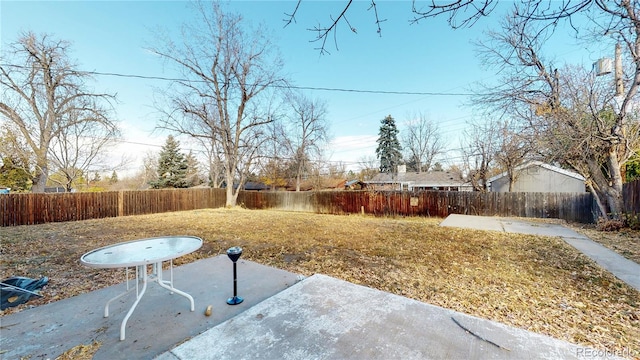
pixel 25 209
pixel 28 209
pixel 631 196
pixel 569 206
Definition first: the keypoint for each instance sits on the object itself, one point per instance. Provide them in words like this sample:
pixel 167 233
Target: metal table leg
pixel 138 297
pixel 141 273
pixel 163 283
pixel 106 307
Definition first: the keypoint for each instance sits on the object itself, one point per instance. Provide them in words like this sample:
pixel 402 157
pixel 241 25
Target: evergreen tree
pixel 172 167
pixel 389 149
pixel 13 174
pixel 632 168
pixel 114 178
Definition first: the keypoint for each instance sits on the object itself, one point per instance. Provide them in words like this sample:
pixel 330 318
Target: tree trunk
pixel 231 200
pixel 512 178
pixel 40 179
pixel 614 191
pixel 232 196
pixel 601 207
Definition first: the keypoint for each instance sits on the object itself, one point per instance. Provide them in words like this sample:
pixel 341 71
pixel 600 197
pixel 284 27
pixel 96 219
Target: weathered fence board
pixel 573 207
pixel 631 196
pixel 26 209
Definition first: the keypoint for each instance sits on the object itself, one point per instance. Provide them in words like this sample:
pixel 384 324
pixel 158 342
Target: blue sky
pixel 429 57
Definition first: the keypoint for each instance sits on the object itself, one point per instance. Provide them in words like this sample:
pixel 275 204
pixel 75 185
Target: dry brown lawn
pixel 536 283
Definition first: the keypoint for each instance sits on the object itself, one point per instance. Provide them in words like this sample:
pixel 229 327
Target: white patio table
pixel 140 253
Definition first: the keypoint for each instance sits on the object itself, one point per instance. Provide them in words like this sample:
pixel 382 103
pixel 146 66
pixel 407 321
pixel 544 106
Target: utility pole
pixel 603 67
pixel 619 95
pixel 618 71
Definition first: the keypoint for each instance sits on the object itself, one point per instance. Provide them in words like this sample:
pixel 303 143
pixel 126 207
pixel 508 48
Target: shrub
pixel 604 224
pixel 632 221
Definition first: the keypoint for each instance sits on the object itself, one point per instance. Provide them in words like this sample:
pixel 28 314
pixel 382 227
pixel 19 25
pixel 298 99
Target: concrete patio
pixel 160 321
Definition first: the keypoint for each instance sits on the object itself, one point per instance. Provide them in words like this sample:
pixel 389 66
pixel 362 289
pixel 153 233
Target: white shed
pixel 536 176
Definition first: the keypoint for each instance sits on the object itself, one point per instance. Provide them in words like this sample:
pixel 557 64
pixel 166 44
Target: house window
pixel 533 170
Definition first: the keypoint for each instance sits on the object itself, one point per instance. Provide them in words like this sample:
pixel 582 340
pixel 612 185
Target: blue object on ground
pixel 18 290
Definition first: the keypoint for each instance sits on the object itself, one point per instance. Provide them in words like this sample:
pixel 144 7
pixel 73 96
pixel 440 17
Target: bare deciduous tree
pixel 515 146
pixel 422 141
pixel 149 171
pixel 215 166
pixel 308 132
pixel 81 148
pixel 479 152
pixel 275 155
pixel 578 118
pixel 369 167
pixel 228 73
pixel 47 98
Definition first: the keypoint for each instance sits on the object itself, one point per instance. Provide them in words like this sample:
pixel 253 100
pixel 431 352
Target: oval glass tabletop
pixel 140 252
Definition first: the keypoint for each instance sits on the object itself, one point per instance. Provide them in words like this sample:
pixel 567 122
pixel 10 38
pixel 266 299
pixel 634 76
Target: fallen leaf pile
pixel 81 352
pixel 535 283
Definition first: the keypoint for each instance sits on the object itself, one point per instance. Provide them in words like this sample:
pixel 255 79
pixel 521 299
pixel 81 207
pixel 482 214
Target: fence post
pixel 121 203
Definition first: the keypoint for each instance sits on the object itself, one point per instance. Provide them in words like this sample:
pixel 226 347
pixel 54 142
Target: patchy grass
pixel 536 283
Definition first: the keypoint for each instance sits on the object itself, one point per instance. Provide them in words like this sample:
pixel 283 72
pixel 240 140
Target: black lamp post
pixel 234 254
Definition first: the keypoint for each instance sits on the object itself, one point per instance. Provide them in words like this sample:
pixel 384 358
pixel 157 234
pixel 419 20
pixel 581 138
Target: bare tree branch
pixel 470 10
pixel 324 31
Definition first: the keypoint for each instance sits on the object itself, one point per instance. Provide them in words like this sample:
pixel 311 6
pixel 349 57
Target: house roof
pixel 542 165
pixel 254 185
pixel 318 184
pixel 427 179
pixel 353 182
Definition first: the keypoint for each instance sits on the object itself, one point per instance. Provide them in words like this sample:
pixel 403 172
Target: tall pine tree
pixel 114 177
pixel 172 167
pixel 389 149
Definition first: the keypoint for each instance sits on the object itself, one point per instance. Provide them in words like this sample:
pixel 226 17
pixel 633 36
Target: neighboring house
pixel 249 185
pixel 413 181
pixel 536 176
pixel 255 186
pixel 355 185
pixel 319 184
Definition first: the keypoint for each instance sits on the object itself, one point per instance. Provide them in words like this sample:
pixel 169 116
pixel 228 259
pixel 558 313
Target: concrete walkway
pixel 624 269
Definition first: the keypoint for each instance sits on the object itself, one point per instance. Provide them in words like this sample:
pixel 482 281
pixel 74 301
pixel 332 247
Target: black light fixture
pixel 234 254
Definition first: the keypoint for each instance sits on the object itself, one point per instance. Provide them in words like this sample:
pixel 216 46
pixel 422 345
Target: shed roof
pixel 542 165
